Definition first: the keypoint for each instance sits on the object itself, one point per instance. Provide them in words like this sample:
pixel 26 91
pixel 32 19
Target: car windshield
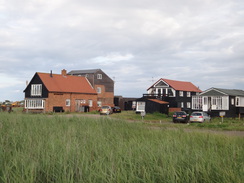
pixel 196 114
pixel 105 107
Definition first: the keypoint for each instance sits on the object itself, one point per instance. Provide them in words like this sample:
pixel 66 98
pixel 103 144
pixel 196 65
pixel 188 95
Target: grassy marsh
pixel 44 148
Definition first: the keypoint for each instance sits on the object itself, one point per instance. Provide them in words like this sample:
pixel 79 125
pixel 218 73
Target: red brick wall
pixel 59 100
pixel 107 98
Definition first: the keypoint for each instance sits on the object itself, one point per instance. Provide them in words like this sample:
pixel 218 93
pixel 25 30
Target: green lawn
pixel 59 148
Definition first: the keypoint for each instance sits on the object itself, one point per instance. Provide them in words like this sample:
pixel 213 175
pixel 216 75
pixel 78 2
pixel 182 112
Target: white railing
pixel 34 103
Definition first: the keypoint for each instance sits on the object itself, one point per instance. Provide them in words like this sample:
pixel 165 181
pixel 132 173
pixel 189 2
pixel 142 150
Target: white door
pixel 205 103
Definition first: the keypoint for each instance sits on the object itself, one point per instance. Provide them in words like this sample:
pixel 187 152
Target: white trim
pixel 67 102
pixel 34 103
pixel 99 90
pixel 181 93
pixel 36 90
pixel 99 76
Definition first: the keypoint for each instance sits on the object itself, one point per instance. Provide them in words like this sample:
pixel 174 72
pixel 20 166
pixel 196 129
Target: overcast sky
pixel 135 42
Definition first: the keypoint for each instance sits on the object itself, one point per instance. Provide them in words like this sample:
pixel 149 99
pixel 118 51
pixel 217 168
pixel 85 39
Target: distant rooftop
pixel 88 71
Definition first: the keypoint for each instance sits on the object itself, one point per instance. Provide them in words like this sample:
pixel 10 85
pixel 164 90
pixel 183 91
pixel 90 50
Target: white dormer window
pixel 36 90
pixel 99 76
pixel 188 94
pixel 181 93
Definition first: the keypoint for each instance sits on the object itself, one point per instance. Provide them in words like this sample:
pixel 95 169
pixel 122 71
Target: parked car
pixel 199 117
pixel 106 110
pixel 116 109
pixel 180 116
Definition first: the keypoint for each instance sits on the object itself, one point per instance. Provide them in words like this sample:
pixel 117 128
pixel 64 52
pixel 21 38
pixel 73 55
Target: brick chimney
pixel 64 72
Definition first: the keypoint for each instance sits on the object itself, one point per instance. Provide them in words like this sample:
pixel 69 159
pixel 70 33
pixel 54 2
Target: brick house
pixel 101 82
pixel 49 92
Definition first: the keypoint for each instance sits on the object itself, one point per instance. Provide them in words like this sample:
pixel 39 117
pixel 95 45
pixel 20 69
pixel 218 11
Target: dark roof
pixel 88 71
pixel 179 85
pixel 232 92
pixel 67 84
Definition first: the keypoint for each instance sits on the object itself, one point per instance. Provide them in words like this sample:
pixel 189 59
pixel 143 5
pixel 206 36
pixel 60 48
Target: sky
pixel 135 42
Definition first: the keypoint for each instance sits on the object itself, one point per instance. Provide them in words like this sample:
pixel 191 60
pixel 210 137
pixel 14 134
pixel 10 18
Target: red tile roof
pixel 179 85
pixel 66 84
pixel 159 101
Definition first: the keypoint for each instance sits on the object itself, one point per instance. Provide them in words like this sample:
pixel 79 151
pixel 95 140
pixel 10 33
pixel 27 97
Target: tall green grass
pixel 42 148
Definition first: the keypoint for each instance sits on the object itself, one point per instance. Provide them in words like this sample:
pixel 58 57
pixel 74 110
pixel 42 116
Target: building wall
pixel 59 100
pixel 107 98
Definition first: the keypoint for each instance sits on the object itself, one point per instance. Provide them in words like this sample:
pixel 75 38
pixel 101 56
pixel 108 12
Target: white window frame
pixel 182 104
pixel 99 90
pixel 34 103
pixel 188 105
pixel 99 76
pixel 36 90
pixel 188 94
pixel 67 102
pixel 90 103
pixel 99 103
pixel 181 93
pixel 196 102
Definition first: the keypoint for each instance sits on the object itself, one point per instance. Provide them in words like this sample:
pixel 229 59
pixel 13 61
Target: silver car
pixel 199 117
pixel 106 110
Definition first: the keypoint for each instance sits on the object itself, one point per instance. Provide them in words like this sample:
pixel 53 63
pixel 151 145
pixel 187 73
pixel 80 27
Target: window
pixel 99 103
pixel 237 101
pixel 34 104
pixel 82 101
pixel 36 90
pixel 181 93
pixel 188 104
pixel 188 94
pixel 99 90
pixel 90 103
pixel 232 101
pixel 67 102
pixel 182 104
pixel 99 76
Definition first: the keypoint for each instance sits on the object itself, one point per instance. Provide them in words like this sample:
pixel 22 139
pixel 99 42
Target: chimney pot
pixel 64 72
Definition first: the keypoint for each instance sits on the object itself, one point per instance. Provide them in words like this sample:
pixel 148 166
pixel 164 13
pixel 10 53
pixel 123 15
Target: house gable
pixel 161 84
pixel 36 80
pixel 213 92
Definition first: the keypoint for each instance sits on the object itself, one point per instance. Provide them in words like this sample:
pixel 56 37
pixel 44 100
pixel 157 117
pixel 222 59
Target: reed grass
pixel 44 148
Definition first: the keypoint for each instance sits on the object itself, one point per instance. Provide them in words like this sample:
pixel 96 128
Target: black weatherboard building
pixel 178 94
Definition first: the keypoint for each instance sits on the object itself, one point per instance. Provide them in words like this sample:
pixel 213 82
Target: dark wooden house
pixel 178 94
pixel 102 83
pixel 216 100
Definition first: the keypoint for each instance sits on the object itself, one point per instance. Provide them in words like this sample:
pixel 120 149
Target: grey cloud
pixel 138 40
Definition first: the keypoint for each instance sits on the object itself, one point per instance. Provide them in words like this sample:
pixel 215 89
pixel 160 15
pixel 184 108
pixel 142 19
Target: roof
pixel 158 101
pixel 66 84
pixel 232 92
pixel 89 71
pixel 179 85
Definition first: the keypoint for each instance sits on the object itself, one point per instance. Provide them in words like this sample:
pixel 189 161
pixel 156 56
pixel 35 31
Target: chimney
pixel 64 72
pixel 51 73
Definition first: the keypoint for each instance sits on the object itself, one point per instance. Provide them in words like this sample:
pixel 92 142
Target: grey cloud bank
pixel 135 42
